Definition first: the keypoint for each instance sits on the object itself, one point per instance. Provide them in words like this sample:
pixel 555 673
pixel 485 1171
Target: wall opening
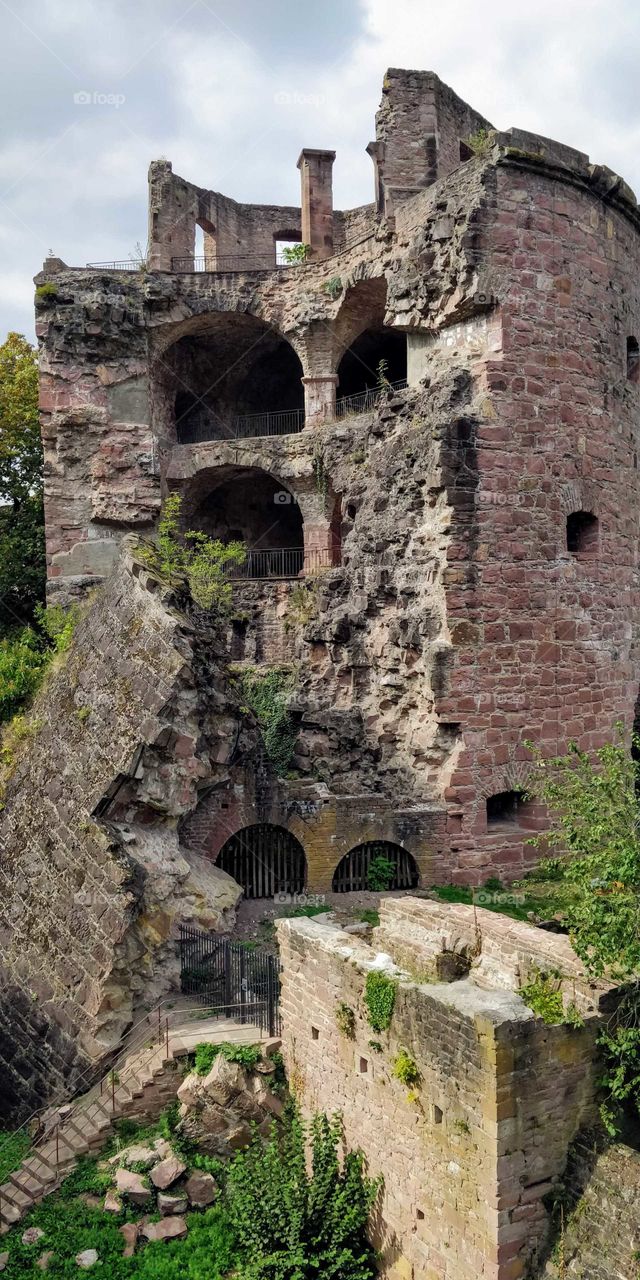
pixel 245 504
pixel 233 379
pixel 466 152
pixel 633 360
pixel 582 532
pixel 504 806
pixel 284 240
pixel 266 860
pixel 377 864
pixel 376 353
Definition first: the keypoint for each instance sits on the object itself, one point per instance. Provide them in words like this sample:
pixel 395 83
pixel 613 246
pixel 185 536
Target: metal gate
pixel 265 860
pixel 352 873
pixel 232 980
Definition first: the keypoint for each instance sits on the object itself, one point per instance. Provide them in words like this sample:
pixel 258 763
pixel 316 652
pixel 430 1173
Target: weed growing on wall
pixel 267 694
pixel 192 557
pixel 246 1055
pixel 406 1070
pixel 346 1021
pixel 379 999
pixel 543 995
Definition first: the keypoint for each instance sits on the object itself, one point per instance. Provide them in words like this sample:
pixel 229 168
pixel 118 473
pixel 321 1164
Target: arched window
pixel 379 865
pixel 266 860
pixel 582 533
pixel 504 806
pixel 633 360
pixel 245 504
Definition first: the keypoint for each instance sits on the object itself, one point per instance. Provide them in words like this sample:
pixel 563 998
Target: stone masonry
pixel 473 1153
pixel 470 541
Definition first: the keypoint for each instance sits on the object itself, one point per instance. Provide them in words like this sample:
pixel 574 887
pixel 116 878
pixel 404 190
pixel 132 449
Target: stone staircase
pixel 83 1126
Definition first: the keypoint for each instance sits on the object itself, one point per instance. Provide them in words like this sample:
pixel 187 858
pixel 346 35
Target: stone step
pixel 16 1196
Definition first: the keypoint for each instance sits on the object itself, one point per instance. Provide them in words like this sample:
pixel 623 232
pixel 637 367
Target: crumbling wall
pixel 131 724
pixel 471 1151
pixel 598 1236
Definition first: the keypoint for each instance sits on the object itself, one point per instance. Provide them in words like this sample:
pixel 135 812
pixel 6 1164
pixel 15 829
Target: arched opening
pixel 377 864
pixel 582 533
pixel 245 504
pixel 284 242
pixel 234 377
pixel 377 356
pixel 266 860
pixel 633 360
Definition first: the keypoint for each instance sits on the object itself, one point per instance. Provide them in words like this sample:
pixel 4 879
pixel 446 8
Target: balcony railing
pixel 285 422
pixel 129 265
pixel 282 562
pixel 347 405
pixel 232 262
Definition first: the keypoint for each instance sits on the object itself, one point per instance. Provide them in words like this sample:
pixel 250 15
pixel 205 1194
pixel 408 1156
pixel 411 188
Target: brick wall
pixel 468 1161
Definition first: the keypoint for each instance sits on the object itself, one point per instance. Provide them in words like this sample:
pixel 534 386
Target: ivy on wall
pixel 267 693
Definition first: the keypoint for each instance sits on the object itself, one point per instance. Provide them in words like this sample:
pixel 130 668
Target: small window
pixel 466 152
pixel 582 532
pixel 420 1215
pixel 364 1066
pixel 504 806
pixel 633 360
pixel 315 1034
pixel 437 1115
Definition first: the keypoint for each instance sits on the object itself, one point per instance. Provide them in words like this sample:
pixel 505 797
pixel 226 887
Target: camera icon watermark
pixel 282 498
pixel 85 98
pixel 284 99
pixel 283 899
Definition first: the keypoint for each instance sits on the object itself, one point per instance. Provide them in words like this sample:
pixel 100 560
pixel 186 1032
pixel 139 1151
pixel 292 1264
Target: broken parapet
pixel 472 1149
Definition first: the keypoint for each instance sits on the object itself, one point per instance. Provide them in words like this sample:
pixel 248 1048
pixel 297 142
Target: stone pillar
pixel 319 398
pixel 317 201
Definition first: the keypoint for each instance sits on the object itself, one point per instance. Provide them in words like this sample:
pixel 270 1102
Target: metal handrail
pixel 102 1095
pixel 245 426
pixel 364 400
pixel 129 265
pixel 281 563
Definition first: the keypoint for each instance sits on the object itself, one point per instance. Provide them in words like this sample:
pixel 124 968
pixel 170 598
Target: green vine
pixel 267 694
pixel 380 999
pixel 320 473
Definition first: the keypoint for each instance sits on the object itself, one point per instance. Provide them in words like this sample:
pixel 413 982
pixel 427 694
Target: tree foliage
pixel 193 557
pixel 22 560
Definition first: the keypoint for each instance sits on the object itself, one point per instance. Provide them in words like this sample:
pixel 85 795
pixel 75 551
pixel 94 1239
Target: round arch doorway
pixel 265 860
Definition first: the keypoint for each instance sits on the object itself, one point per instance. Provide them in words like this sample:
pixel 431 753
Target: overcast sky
pixel 230 90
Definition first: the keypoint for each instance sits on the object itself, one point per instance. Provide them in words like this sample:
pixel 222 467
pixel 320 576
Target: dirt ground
pixel 255 916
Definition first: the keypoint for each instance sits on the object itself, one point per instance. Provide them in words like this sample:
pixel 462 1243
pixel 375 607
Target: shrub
pixel 544 996
pixel 46 292
pixel 194 558
pixel 380 999
pixel 22 663
pixel 295 1219
pixel 296 252
pixel 247 1055
pixel 381 873
pixel 346 1020
pixel 406 1070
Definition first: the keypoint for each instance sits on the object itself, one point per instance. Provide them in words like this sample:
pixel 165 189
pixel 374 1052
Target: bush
pixel 296 252
pixel 247 1055
pixel 299 1221
pixel 380 999
pixel 544 996
pixel 194 558
pixel 381 873
pixel 22 663
pixel 406 1070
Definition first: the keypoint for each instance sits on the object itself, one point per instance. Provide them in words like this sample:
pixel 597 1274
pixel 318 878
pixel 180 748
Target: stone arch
pixel 248 504
pixel 362 340
pixel 352 873
pixel 266 860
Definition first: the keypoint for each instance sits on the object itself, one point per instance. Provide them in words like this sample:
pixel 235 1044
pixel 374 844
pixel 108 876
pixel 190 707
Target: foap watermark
pixel 498 498
pixel 297 99
pixel 497 898
pixel 283 899
pixel 86 98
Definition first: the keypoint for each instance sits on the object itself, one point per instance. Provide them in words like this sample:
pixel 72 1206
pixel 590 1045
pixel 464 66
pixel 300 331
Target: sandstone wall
pixel 469 1157
pixel 599 1235
pixel 92 880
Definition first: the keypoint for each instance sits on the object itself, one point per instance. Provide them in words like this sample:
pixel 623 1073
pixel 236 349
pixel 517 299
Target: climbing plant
pixel 267 693
pixel 379 999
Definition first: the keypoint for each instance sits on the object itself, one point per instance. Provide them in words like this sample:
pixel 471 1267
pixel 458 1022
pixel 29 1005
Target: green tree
pixel 22 559
pixel 595 827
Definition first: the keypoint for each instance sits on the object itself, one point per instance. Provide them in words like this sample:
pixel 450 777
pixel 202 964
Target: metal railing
pixel 57 1132
pixel 364 400
pixel 129 265
pixel 284 422
pixel 282 563
pixel 231 262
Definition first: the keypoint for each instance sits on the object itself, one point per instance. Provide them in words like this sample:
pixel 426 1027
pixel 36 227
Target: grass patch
pixel 246 1055
pixel 13 1149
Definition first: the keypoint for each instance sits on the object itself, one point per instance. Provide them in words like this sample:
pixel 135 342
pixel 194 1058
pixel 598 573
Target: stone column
pixel 319 398
pixel 317 201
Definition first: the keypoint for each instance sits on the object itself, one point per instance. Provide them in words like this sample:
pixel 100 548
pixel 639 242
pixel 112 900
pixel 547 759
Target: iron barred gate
pixel 352 873
pixel 230 978
pixel 265 860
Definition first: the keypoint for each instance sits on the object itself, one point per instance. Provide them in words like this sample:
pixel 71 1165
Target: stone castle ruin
pixel 424 429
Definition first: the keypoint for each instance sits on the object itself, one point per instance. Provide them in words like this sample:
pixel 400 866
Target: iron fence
pixel 364 400
pixel 282 562
pixel 230 262
pixel 227 976
pixel 352 872
pixel 129 265
pixel 246 426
